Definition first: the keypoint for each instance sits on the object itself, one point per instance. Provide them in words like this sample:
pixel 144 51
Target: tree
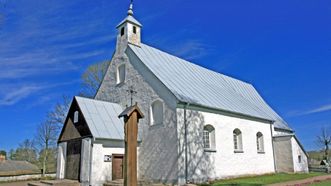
pixel 12 154
pixel 46 139
pixel 324 140
pixel 25 152
pixel 92 78
pixel 58 114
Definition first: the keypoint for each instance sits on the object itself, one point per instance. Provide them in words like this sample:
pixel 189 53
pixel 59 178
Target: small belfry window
pixel 209 137
pixel 120 75
pixel 259 142
pixel 76 114
pixel 122 31
pixel 134 29
pixel 299 158
pixel 156 112
pixel 237 140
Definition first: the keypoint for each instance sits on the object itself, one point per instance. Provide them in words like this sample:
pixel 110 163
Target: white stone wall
pixel 102 171
pixel 224 162
pixel 298 151
pixel 61 160
pixel 85 161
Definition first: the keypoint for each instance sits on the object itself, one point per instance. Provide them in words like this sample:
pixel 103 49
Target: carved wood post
pixel 131 118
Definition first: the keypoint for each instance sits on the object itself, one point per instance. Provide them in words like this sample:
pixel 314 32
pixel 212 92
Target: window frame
pixel 237 141
pixel 76 117
pixel 119 77
pixel 122 31
pixel 134 29
pixel 152 112
pixel 209 136
pixel 260 142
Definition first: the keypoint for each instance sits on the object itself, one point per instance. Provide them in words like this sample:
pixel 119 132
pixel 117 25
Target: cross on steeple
pixel 131 91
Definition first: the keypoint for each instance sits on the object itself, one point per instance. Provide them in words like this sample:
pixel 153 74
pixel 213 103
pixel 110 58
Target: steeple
pixel 129 29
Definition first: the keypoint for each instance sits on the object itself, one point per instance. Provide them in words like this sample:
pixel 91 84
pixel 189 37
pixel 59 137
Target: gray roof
pixel 130 19
pixel 102 118
pixel 197 85
pixel 12 166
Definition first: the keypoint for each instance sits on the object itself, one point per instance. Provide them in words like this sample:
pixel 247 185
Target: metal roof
pixel 102 118
pixel 130 19
pixel 197 85
pixel 11 165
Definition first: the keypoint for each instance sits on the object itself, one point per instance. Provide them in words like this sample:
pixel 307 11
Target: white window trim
pixel 76 117
pixel 211 138
pixel 237 141
pixel 118 78
pixel 260 142
pixel 152 122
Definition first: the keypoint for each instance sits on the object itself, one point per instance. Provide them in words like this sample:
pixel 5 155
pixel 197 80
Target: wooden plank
pixel 117 166
pixel 73 160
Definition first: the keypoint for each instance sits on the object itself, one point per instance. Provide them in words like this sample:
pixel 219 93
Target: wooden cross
pixel 131 117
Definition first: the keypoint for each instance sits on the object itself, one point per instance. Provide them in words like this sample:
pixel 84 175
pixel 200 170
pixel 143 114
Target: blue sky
pixel 282 47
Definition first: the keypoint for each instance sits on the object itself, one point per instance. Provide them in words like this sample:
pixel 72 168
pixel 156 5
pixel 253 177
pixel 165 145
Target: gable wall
pixel 224 162
pixel 297 150
pixel 283 154
pixel 158 150
pixel 74 131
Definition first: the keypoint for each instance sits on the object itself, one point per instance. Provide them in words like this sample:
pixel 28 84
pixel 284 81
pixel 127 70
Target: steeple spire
pixel 130 11
pixel 129 30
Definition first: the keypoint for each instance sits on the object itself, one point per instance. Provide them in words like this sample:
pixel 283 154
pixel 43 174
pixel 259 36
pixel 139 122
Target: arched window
pixel 259 142
pixel 209 137
pixel 76 113
pixel 134 29
pixel 120 75
pixel 237 141
pixel 156 112
pixel 122 31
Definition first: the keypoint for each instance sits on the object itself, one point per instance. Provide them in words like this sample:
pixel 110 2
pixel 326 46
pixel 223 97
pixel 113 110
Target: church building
pixel 199 125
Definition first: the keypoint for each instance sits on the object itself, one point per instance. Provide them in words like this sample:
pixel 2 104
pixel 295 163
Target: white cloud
pixel 14 94
pixel 323 108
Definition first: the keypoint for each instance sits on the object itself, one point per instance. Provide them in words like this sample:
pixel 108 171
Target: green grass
pixel 264 179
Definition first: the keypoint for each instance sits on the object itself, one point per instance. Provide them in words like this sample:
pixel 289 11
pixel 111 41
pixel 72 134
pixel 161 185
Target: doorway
pixel 117 166
pixel 72 170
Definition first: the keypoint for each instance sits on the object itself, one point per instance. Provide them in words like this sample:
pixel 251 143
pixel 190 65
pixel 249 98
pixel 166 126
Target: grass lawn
pixel 264 179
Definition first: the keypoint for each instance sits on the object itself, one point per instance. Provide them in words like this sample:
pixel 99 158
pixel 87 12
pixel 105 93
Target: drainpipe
pixel 91 153
pixel 185 142
pixel 273 148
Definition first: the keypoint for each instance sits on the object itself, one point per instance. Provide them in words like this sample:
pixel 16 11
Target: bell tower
pixel 129 30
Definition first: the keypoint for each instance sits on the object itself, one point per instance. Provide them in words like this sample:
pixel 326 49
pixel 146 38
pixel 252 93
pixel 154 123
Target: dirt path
pixel 21 183
pixel 306 181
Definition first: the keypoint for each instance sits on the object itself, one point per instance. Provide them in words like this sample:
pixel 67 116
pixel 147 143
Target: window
pixel 122 31
pixel 259 142
pixel 134 29
pixel 156 112
pixel 299 158
pixel 237 140
pixel 120 77
pixel 76 116
pixel 209 137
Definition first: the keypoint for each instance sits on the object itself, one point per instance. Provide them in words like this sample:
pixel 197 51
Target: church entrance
pixel 72 170
pixel 117 166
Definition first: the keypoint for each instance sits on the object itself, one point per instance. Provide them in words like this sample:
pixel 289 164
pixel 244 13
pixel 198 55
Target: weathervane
pixel 131 91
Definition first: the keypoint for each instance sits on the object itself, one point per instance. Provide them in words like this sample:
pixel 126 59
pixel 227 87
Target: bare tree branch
pixel 45 138
pixel 324 140
pixel 92 78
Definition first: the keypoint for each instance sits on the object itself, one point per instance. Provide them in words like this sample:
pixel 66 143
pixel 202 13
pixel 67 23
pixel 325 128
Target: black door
pixel 73 159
